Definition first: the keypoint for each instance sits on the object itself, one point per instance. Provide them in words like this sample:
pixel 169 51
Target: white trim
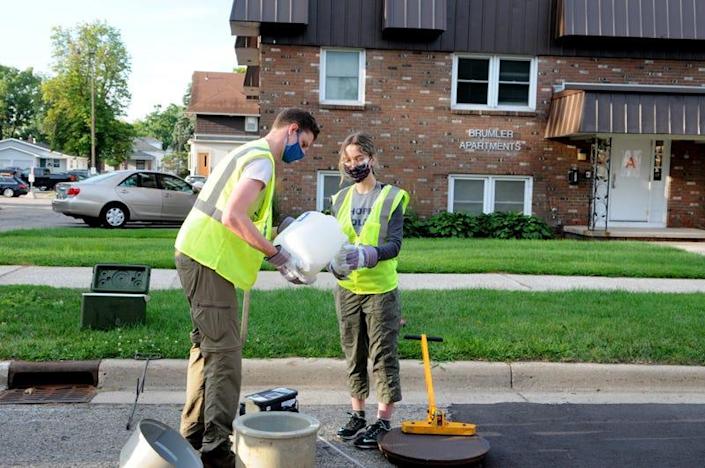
pixel 320 178
pixel 360 101
pixel 488 201
pixel 493 83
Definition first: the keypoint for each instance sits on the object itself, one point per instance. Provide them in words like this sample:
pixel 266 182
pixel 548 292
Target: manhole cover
pixel 48 394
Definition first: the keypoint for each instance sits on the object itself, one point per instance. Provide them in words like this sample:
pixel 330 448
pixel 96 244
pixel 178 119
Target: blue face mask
pixel 293 151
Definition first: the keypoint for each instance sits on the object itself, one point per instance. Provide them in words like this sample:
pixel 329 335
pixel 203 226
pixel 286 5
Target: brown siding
pixel 590 112
pixel 272 11
pixel 663 19
pixel 220 125
pixel 415 14
pixel 525 27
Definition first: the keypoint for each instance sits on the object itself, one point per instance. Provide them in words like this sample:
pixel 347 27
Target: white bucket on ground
pixel 314 238
pixel 156 445
pixel 276 439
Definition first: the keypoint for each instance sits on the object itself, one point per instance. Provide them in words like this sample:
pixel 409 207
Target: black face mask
pixel 359 172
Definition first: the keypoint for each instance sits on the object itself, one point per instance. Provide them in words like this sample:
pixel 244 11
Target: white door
pixel 639 170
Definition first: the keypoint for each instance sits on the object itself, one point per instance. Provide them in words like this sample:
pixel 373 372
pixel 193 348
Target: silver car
pixel 114 198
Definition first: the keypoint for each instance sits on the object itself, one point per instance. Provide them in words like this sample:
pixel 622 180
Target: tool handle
pixel 418 337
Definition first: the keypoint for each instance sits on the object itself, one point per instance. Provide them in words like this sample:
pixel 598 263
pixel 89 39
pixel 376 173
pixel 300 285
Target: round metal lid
pixel 432 450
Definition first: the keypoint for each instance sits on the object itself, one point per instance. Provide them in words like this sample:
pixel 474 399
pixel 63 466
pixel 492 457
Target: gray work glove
pixel 355 257
pixel 287 265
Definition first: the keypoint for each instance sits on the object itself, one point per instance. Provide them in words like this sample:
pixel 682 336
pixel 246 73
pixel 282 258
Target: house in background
pixel 226 117
pixel 147 153
pixel 25 154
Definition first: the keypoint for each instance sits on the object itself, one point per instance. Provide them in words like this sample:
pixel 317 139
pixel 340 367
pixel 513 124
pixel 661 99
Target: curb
pixel 466 376
pixel 118 374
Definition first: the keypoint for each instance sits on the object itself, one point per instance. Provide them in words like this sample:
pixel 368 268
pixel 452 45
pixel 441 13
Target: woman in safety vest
pixel 366 297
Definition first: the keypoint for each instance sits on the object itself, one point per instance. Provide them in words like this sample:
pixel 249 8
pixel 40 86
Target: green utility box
pixel 118 297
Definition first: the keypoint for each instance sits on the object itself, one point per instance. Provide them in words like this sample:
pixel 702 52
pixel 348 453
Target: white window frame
pixel 320 177
pixel 489 190
pixel 360 81
pixel 251 124
pixel 493 85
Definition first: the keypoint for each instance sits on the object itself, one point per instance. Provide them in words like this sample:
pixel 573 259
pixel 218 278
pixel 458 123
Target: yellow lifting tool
pixel 436 423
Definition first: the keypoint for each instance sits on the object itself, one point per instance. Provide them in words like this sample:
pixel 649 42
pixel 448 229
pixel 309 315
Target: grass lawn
pixel 41 323
pixel 154 247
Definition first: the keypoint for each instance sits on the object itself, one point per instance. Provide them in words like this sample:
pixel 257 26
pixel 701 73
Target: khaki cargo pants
pixel 369 327
pixel 214 367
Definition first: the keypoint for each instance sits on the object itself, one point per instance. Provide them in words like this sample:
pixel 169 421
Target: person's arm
pixel 236 218
pixel 395 232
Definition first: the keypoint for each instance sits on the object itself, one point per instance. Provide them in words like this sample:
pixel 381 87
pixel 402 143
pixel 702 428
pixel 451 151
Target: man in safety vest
pixel 220 247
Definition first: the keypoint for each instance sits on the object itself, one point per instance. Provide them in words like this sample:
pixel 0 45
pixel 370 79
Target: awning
pixel 583 109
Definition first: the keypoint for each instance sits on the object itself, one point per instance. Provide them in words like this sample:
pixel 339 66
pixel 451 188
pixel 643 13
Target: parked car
pixel 114 198
pixel 61 187
pixel 196 180
pixel 11 186
pixel 13 170
pixel 80 174
pixel 45 180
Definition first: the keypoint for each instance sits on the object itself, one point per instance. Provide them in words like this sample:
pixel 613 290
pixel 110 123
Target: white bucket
pixel 314 238
pixel 276 439
pixel 156 445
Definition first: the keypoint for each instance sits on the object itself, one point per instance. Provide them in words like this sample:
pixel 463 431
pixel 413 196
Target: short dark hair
pixel 304 118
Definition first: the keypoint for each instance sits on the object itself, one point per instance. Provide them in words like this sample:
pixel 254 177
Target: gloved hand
pixel 352 257
pixel 339 271
pixel 288 266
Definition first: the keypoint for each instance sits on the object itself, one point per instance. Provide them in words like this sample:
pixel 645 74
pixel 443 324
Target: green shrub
pixel 495 225
pixel 415 226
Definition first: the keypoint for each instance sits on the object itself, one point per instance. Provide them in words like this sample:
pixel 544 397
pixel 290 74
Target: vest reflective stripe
pixel 337 201
pixel 208 209
pixel 383 277
pixel 209 206
pixel 386 214
pixel 203 236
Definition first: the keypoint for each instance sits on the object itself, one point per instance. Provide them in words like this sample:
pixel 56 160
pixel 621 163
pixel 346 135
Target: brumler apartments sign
pixel 491 139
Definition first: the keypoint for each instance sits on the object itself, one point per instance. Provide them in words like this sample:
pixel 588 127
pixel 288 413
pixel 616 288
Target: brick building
pixel 585 113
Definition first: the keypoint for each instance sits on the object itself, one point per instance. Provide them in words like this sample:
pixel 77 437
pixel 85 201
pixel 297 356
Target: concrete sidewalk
pixel 80 277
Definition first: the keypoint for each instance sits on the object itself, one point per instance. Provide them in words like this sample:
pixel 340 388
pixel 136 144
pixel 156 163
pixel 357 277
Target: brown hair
pixel 303 118
pixel 363 140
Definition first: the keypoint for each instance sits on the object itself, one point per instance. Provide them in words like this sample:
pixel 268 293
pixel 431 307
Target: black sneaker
pixel 370 439
pixel 352 428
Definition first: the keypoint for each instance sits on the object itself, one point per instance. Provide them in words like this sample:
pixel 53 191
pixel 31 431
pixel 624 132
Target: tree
pixel 91 63
pixel 21 105
pixel 160 124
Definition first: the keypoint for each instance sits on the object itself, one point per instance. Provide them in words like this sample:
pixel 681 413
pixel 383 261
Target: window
pixel 251 124
pixel 142 180
pixel 477 194
pixel 342 79
pixel 139 164
pixel 503 83
pixel 175 184
pixel 328 185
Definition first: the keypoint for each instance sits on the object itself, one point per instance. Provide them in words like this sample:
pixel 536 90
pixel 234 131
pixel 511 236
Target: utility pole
pixel 93 169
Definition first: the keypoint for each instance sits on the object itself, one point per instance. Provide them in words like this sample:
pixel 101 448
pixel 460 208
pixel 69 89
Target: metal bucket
pixel 276 439
pixel 156 445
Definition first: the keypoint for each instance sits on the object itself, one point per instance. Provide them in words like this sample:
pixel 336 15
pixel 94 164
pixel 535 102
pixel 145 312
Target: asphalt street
pixel 521 434
pixel 14 215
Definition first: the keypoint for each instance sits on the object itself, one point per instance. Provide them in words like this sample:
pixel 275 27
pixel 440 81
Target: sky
pixel 167 40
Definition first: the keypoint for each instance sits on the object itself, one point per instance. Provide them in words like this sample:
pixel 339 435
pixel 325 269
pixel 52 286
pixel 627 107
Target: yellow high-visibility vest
pixel 383 277
pixel 204 238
